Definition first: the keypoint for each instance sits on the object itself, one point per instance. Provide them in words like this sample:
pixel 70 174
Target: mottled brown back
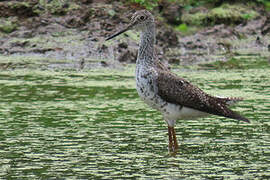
pixel 177 90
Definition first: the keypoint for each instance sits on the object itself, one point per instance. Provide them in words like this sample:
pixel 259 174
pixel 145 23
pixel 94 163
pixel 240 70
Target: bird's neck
pixel 146 49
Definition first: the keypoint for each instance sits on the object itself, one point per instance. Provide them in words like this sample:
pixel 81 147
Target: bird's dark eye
pixel 142 17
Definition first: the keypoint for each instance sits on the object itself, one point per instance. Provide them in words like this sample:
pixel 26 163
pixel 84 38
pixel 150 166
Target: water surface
pixel 92 124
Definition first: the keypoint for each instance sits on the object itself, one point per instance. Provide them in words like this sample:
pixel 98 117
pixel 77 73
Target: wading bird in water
pixel 173 96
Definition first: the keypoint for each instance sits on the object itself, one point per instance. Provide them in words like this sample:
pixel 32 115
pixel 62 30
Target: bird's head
pixel 140 20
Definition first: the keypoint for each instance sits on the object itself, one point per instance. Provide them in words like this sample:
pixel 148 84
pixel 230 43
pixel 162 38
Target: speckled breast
pixel 146 87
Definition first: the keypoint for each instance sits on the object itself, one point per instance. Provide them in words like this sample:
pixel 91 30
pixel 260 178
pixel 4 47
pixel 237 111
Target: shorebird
pixel 175 97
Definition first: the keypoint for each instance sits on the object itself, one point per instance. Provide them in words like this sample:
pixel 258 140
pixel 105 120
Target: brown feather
pixel 179 91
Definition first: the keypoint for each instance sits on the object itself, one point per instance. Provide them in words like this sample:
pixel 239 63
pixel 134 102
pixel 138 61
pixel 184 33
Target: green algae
pixel 55 7
pixel 196 19
pixel 7 25
pixel 231 14
pixel 226 13
pixel 239 62
pixel 95 126
pixel 16 5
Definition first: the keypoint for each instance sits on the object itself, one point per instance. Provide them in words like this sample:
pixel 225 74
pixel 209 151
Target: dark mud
pixel 71 36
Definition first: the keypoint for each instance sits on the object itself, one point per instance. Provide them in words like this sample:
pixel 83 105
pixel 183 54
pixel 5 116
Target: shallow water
pixel 89 125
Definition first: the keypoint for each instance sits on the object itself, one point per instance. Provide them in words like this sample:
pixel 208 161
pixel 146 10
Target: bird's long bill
pixel 120 32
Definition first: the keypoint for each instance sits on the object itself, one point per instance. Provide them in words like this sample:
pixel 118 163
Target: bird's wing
pixel 177 90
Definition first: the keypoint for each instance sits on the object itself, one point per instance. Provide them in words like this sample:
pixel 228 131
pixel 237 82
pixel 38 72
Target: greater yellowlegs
pixel 174 97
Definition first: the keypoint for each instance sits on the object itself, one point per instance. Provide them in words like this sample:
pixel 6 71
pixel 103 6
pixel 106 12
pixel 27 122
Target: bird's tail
pixel 230 100
pixel 235 115
pixel 232 114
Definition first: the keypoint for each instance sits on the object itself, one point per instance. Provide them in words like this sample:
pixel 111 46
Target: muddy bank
pixel 70 34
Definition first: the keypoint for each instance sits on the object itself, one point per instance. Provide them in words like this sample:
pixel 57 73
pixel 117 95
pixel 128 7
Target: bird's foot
pixel 173 151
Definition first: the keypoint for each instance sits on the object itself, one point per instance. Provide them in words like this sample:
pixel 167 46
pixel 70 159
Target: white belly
pixel 173 112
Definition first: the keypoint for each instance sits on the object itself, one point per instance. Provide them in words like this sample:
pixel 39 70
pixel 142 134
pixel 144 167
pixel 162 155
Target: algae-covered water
pixel 92 125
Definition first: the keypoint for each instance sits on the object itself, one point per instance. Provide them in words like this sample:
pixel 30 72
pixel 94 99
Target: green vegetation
pixel 148 4
pixel 56 7
pixel 267 6
pixel 229 14
pixel 238 63
pixel 196 19
pixel 233 63
pixel 17 5
pixel 188 4
pixel 195 3
pixel 182 28
pixel 7 26
pixel 208 12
